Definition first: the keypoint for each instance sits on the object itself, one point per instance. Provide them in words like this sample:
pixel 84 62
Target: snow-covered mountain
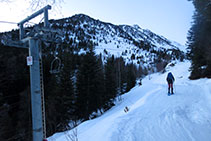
pixel 133 43
pixel 153 115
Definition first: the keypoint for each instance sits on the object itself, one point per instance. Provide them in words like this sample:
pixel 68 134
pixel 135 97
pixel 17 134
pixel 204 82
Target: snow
pixel 181 47
pixel 119 47
pixel 152 115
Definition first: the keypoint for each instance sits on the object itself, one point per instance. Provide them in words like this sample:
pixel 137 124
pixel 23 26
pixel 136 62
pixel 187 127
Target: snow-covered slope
pixel 154 116
pixel 133 43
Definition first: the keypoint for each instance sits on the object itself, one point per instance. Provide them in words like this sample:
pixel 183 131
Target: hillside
pixel 133 43
pixel 152 114
pixel 136 45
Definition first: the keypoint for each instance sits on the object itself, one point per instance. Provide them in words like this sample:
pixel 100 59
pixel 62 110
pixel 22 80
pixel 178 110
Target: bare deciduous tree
pixel 37 4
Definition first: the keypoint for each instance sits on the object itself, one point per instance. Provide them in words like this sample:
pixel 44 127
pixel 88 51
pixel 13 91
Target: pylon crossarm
pixel 35 15
pixel 46 22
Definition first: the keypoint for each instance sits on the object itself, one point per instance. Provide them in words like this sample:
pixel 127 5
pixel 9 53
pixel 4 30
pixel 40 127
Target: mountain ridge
pixel 134 44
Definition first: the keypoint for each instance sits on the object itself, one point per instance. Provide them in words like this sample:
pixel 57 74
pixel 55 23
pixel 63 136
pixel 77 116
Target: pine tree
pixel 131 77
pixel 100 84
pixel 66 91
pixel 89 85
pixel 199 43
pixel 110 82
pixel 123 75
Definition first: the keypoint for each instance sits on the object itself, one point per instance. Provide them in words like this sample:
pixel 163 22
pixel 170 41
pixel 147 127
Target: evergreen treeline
pixel 84 88
pixel 15 110
pixel 199 40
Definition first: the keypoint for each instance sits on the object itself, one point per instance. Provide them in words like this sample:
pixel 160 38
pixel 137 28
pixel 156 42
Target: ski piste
pixel 152 115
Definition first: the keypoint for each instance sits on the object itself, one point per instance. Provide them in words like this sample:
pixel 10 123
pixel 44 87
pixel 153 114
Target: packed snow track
pixel 153 115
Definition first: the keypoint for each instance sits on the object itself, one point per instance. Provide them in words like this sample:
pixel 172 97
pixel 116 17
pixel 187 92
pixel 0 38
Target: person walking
pixel 170 79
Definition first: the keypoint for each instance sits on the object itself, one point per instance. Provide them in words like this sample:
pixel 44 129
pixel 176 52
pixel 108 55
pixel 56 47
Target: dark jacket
pixel 170 78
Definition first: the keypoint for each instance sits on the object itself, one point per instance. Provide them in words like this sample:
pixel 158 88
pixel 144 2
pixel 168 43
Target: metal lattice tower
pixel 36 73
pixel 36 76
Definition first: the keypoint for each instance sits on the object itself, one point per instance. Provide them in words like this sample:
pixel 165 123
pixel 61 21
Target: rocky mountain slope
pixel 134 44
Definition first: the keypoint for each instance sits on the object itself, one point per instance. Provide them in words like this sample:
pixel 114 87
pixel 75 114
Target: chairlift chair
pixel 55 65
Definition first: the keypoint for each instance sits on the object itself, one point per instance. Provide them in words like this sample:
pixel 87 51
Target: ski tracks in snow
pixel 158 117
pixel 127 123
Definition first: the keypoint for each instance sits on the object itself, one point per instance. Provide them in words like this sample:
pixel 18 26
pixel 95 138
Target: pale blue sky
pixel 170 18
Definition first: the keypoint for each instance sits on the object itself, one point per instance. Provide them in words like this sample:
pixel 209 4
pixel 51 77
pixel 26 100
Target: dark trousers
pixel 170 87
